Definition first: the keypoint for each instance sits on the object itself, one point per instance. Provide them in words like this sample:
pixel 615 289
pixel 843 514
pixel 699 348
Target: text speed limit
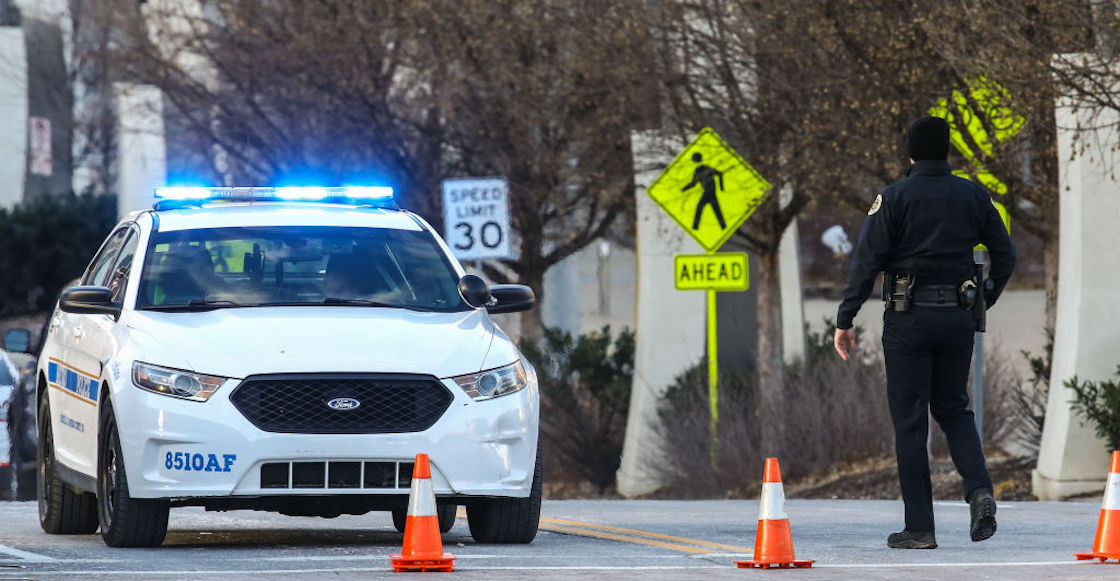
pixel 476 217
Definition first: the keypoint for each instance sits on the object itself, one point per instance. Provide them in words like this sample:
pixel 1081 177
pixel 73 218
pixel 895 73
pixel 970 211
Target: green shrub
pixel 1099 402
pixel 46 242
pixel 585 397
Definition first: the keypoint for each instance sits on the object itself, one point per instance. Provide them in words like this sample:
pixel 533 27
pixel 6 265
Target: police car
pixel 287 350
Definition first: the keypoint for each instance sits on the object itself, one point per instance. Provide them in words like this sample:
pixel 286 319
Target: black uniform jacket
pixel 928 224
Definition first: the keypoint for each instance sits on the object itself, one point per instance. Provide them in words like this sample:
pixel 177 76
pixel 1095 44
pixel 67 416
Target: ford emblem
pixel 343 403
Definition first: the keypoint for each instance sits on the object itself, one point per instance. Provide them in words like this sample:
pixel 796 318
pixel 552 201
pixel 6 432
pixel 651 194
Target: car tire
pixel 125 521
pixel 507 520
pixel 62 510
pixel 446 513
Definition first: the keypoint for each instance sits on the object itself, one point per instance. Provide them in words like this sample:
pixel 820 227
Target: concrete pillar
pixel 1072 460
pixel 793 304
pixel 13 115
pixel 142 149
pixel 670 323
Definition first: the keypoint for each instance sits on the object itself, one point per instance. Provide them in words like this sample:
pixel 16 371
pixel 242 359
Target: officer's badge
pixel 878 203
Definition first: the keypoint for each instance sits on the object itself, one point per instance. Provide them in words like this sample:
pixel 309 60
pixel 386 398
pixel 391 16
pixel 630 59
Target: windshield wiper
pixel 368 303
pixel 199 305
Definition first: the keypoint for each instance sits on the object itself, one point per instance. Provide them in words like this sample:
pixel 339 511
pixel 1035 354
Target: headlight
pixel 495 382
pixel 175 382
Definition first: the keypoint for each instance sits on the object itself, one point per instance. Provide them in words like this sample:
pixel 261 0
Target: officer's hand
pixel 845 342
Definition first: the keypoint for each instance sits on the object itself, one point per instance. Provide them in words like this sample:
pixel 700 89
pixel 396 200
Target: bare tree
pixel 411 92
pixel 278 91
pixel 544 93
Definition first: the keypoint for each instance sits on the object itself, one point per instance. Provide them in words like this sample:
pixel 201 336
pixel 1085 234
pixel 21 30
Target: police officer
pixel 920 231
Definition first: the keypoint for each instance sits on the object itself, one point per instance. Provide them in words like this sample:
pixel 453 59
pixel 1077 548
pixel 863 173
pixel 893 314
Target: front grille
pixel 337 474
pixel 299 403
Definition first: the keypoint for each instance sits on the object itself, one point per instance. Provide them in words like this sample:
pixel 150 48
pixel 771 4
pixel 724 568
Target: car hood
pixel 247 341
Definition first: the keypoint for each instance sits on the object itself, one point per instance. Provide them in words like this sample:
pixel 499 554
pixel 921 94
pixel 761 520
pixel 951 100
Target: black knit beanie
pixel 928 138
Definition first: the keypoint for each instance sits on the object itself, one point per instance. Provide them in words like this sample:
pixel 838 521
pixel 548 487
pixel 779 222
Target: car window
pixel 99 268
pixel 118 274
pixel 298 266
pixel 6 377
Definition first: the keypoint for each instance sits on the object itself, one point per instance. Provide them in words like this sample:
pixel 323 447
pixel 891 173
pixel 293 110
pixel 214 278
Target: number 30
pixel 490 235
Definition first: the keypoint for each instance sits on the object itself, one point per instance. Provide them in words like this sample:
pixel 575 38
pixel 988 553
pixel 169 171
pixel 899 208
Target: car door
pixel 75 375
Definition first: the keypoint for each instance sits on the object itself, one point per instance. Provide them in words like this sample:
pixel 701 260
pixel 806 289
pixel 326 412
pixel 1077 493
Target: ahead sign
pixel 476 217
pixel 725 271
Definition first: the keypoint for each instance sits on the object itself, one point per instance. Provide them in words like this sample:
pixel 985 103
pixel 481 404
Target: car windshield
pixel 266 266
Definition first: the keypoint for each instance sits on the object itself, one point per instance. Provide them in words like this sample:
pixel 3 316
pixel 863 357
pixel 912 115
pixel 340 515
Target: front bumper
pixel 183 449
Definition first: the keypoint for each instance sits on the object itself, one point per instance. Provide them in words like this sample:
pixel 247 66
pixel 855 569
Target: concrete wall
pixel 13 115
pixel 591 289
pixel 670 323
pixel 48 95
pixel 1072 460
pixel 793 299
pixel 142 150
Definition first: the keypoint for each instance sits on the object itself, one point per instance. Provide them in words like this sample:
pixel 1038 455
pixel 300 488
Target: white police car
pixel 282 349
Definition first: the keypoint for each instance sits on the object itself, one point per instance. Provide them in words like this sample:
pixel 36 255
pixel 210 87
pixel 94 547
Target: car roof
pixel 232 215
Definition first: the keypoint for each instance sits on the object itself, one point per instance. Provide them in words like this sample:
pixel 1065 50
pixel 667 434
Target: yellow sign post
pixel 710 191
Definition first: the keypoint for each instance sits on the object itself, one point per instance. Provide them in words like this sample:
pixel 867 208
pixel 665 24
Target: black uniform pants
pixel 928 352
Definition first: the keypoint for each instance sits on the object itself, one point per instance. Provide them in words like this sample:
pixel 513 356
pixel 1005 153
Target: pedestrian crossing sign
pixel 709 190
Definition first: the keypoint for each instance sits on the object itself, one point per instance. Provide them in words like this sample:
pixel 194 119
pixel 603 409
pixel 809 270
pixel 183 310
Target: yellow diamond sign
pixel 709 190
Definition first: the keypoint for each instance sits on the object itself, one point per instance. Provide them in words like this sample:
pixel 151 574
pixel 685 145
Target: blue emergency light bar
pixel 174 197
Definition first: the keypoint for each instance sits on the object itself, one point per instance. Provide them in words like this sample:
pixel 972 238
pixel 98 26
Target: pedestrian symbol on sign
pixel 708 173
pixel 706 177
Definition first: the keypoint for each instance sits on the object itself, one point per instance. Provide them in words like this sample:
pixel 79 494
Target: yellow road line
pixel 635 532
pixel 623 538
pixel 625 535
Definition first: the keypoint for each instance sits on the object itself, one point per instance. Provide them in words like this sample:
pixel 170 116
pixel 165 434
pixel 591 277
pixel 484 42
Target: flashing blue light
pixel 369 192
pixel 296 193
pixel 182 193
pixel 376 195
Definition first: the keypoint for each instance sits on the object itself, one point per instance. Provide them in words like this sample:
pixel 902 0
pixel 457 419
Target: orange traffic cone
pixel 423 549
pixel 1107 544
pixel 773 546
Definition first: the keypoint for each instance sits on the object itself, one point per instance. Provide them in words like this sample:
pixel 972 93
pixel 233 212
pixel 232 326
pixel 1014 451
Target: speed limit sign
pixel 476 217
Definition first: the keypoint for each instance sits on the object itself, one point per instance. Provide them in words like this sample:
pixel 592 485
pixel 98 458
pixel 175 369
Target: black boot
pixel 912 540
pixel 983 509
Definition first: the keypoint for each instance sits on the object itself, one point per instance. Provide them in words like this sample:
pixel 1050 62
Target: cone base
pixel 402 564
pixel 794 564
pixel 1102 556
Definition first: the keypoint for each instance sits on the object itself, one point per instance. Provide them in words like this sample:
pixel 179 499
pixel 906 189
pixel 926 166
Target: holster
pixel 898 290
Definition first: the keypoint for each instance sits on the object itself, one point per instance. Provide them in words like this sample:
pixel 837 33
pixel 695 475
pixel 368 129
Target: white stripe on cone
pixel 422 498
pixel 1112 493
pixel 773 504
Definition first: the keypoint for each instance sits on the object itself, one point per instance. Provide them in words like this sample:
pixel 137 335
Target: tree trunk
pixel 531 326
pixel 771 376
pixel 1050 278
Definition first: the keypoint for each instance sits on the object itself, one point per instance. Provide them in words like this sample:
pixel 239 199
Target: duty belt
pixel 936 295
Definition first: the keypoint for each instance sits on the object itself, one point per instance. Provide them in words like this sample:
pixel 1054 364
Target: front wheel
pixel 62 510
pixel 508 520
pixel 125 521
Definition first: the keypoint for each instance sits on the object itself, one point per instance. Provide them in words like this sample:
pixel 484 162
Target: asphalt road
pixel 579 539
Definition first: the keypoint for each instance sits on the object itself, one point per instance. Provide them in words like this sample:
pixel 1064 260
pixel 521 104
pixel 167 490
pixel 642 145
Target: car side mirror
pixel 89 300
pixel 475 291
pixel 511 298
pixel 17 341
